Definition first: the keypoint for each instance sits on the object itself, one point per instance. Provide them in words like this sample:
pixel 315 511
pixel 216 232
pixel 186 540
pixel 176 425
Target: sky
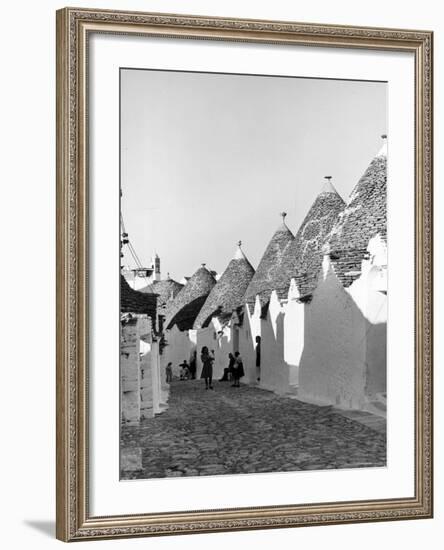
pixel 210 159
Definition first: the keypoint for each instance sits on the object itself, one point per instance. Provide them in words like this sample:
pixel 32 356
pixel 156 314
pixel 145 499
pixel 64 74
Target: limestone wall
pixel 144 391
pixel 130 373
pixel 146 386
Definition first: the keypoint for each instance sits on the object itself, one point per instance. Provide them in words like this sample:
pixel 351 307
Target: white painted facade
pixel 180 346
pixel 344 358
pixel 251 327
pixel 274 371
pixel 144 391
pixel 281 332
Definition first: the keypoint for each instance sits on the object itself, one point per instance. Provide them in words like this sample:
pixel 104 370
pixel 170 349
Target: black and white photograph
pixel 253 274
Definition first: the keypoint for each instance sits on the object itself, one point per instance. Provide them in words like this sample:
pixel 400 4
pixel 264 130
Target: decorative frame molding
pixel 73 519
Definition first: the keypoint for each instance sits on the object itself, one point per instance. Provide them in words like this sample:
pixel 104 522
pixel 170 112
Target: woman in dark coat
pixel 207 370
pixel 238 369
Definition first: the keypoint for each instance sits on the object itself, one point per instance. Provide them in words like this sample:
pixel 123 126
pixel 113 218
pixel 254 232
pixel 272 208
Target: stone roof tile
pixel 269 275
pixel 228 292
pixel 133 301
pixel 190 299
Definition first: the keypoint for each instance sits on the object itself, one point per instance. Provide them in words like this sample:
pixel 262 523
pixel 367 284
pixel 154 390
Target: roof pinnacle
pixel 328 186
pixel 383 151
pixel 239 255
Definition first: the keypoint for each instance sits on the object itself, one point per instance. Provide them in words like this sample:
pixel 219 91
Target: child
pixel 184 370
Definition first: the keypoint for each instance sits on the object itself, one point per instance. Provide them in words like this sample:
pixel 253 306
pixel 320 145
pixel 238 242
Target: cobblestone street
pixel 241 430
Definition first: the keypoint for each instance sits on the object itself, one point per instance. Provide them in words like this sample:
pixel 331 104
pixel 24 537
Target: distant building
pixel 166 291
pixel 140 277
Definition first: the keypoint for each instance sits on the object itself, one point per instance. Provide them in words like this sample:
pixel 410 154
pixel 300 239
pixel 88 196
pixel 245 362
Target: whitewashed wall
pixel 274 371
pixel 146 386
pixel 344 357
pixel 144 391
pixel 250 328
pixel 333 361
pixel 130 373
pixel 180 346
pixel 370 295
pixel 294 333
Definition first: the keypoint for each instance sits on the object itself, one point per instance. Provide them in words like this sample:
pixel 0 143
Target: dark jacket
pixel 207 369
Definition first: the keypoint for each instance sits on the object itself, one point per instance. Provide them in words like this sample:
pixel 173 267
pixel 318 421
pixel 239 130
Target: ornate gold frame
pixel 73 519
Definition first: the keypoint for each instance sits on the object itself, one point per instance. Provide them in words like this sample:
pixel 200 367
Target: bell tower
pixel 156 266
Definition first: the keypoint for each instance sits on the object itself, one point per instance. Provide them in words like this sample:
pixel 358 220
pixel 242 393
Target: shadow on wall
pixel 185 317
pixel 344 357
pixel 275 371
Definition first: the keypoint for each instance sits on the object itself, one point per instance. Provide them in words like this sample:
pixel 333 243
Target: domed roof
pixel 269 275
pixel 229 290
pixel 303 257
pixel 134 301
pixel 190 299
pixel 364 217
pixel 166 289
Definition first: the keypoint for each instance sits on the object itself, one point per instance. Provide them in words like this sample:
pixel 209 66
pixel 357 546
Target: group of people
pixel 187 371
pixel 233 372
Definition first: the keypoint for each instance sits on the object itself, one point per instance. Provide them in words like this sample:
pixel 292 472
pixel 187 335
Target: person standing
pixel 169 372
pixel 258 358
pixel 207 369
pixel 193 365
pixel 238 370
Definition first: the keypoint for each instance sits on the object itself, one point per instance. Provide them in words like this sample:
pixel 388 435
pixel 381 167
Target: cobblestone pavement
pixel 242 430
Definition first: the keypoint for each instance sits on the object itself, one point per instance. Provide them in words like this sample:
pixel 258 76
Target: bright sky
pixel 210 159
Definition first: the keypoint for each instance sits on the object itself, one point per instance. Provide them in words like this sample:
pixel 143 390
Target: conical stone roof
pixel 134 301
pixel 304 256
pixel 229 290
pixel 364 217
pixel 269 275
pixel 189 301
pixel 166 290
